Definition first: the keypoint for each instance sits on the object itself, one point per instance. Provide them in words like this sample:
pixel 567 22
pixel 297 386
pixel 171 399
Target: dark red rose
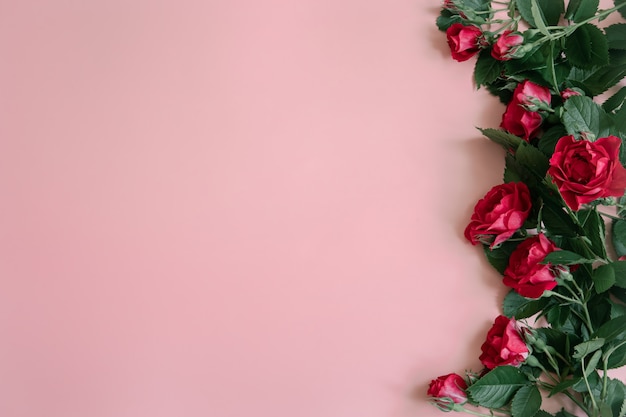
pixel 525 273
pixel 585 171
pixel 499 214
pixel 451 386
pixel 504 344
pixel 464 41
pixel 521 117
pixel 506 44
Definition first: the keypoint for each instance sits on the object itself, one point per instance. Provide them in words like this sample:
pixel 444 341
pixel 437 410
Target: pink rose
pixel 568 92
pixel 506 44
pixel 521 117
pixel 525 273
pixel 499 214
pixel 585 171
pixel 451 386
pixel 463 41
pixel 504 344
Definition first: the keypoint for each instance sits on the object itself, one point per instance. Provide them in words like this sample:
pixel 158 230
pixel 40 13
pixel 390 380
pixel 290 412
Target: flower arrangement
pixel 555 229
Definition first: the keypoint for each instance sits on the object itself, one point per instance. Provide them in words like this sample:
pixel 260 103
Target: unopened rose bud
pixel 521 51
pixel 532 361
pixel 570 92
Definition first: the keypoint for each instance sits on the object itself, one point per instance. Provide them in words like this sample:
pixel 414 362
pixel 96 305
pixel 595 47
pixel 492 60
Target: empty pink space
pixel 237 208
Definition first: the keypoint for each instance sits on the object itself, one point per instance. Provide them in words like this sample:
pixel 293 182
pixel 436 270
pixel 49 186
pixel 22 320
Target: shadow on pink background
pixel 237 208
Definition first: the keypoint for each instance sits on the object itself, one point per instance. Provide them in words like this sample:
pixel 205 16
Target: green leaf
pixel 565 257
pixel 622 11
pixel 542 413
pixel 551 11
pixel 548 140
pixel 617 358
pixel 603 278
pixel 582 115
pixel 616 100
pixel 556 219
pixel 487 68
pixel 533 159
pixel 497 387
pixel 587 46
pixel 616 396
pixel 538 17
pixel 515 305
pixel 616 36
pixel 499 257
pixel 614 329
pixel 562 386
pixel 593 226
pixel 618 236
pixel 591 365
pixel 505 139
pixel 579 10
pixel 583 349
pixel 526 402
pixel 619 267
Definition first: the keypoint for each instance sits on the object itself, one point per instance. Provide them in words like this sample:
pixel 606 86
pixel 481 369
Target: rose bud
pixel 525 272
pixel 521 117
pixel 504 344
pixel 506 45
pixel 568 92
pixel 499 214
pixel 585 171
pixel 446 389
pixel 464 41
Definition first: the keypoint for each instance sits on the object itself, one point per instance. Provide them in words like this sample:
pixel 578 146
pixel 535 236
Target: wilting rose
pixel 506 44
pixel 521 117
pixel 504 344
pixel 585 171
pixel 525 272
pixel 464 41
pixel 499 214
pixel 451 386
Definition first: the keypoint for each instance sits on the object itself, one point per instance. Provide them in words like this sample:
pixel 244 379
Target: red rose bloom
pixel 506 44
pixel 518 119
pixel 499 214
pixel 463 41
pixel 525 274
pixel 585 171
pixel 450 386
pixel 504 344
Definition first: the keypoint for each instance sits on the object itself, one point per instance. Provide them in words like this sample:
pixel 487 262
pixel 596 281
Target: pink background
pixel 237 208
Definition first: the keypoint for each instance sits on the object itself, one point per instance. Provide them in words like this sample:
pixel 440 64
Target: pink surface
pixel 237 208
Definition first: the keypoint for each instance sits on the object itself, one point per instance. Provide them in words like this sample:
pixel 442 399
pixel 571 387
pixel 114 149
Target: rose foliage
pixel 555 228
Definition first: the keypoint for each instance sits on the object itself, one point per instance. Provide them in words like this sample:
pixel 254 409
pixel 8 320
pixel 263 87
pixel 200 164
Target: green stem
pixel 593 400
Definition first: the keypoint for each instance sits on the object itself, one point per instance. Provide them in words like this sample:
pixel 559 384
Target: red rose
pixel 521 117
pixel 463 41
pixel 525 274
pixel 506 44
pixel 451 386
pixel 585 171
pixel 499 214
pixel 504 344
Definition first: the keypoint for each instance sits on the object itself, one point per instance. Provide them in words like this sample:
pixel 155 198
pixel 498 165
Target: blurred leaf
pixel 487 68
pixel 587 47
pixel 565 257
pixel 551 11
pixel 526 402
pixel 579 10
pixel 496 388
pixel 616 100
pixel 583 349
pixel 515 305
pixel 603 278
pixel 616 36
